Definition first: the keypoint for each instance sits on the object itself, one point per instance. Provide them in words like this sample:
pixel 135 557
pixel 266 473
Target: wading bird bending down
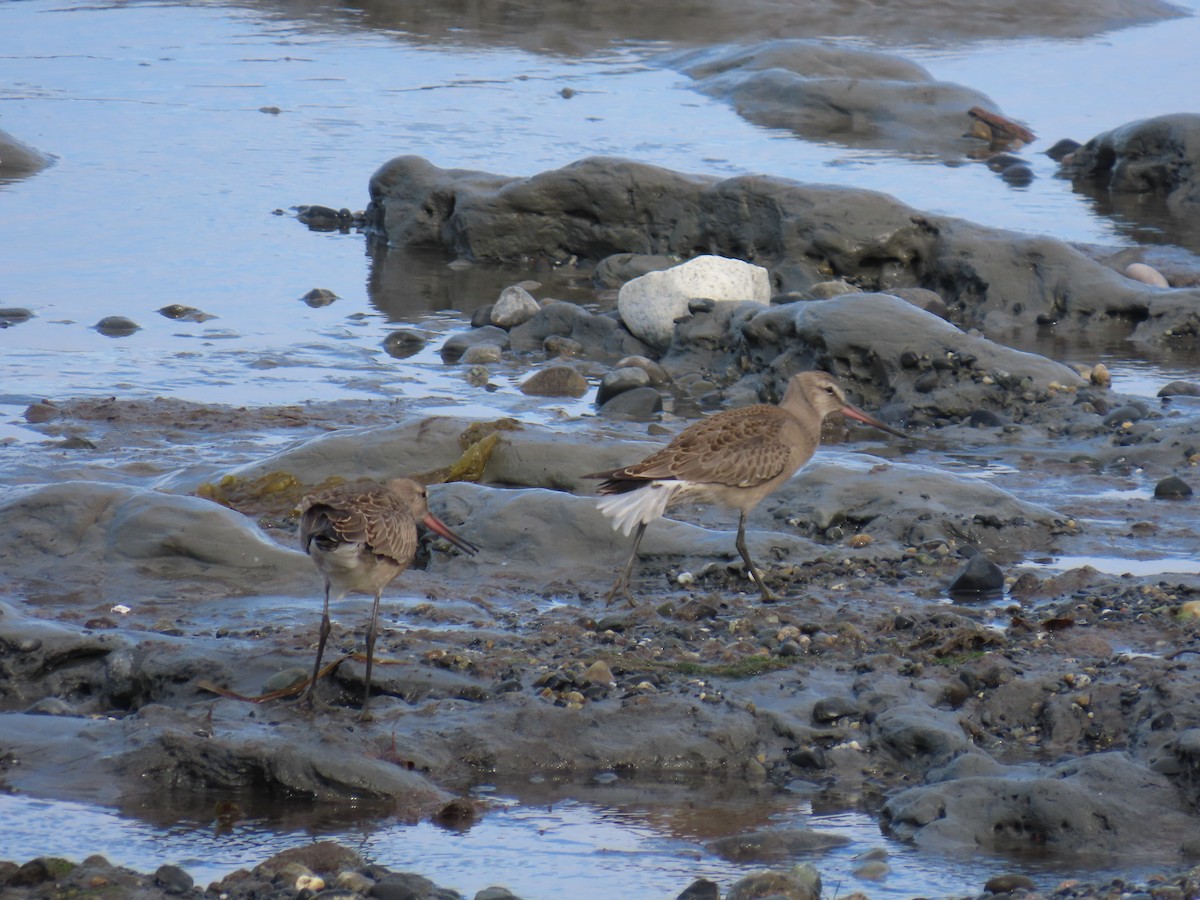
pixel 361 536
pixel 735 458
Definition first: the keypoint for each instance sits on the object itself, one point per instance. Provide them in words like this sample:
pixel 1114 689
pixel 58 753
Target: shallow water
pixel 166 188
pixel 536 842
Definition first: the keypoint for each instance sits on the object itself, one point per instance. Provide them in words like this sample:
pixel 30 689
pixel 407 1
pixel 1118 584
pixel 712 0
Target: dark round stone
pixel 984 418
pixel 482 316
pixel 808 758
pixel 619 380
pixel 1019 175
pixel 1127 413
pixel 1006 884
pixel 173 880
pixel 117 326
pixel 403 343
pixel 31 874
pixel 639 403
pixel 319 297
pixel 830 709
pixel 979 578
pixel 1172 488
pixel 1180 389
pixel 14 316
pixel 926 382
pixel 701 889
pixel 1002 161
pixel 1062 148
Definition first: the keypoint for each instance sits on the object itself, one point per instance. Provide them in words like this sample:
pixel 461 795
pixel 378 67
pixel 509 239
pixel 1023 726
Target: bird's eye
pixel 829 388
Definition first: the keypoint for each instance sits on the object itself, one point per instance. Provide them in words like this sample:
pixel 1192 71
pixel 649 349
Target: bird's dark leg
pixel 326 627
pixel 768 595
pixel 621 585
pixel 372 629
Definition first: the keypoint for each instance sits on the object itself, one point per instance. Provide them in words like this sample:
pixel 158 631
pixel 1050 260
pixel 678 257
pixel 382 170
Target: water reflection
pixel 406 283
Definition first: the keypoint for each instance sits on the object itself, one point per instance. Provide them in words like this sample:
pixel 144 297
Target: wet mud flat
pixel 1055 719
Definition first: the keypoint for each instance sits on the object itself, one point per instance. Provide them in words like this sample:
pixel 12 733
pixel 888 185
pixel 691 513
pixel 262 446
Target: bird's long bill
pixel 440 528
pixel 853 412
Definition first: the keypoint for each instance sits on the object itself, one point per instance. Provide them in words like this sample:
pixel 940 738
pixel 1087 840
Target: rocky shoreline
pixel 1030 709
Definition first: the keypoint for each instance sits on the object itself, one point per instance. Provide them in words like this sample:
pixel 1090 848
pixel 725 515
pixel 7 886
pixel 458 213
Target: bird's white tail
pixel 640 506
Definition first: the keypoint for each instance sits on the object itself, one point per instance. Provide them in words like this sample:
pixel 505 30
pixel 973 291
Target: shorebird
pixel 734 458
pixel 361 536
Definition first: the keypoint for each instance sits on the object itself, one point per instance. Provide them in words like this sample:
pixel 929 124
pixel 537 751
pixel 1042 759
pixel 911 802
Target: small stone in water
pixel 1172 488
pixel 556 381
pixel 14 316
pixel 116 326
pixel 403 343
pixel 980 576
pixel 1006 884
pixel 318 297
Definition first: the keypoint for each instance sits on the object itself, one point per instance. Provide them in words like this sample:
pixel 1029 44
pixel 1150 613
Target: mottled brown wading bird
pixel 361 536
pixel 735 458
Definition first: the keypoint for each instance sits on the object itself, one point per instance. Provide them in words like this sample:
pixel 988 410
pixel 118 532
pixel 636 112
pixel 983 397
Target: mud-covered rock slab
pixel 1085 806
pixel 116 541
pixel 1147 171
pixel 831 92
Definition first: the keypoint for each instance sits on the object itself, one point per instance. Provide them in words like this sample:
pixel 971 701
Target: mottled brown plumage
pixel 361 537
pixel 735 458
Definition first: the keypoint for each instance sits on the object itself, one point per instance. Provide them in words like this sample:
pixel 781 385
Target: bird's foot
pixel 620 589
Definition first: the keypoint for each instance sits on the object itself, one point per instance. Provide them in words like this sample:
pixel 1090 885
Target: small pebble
pixel 116 326
pixel 319 297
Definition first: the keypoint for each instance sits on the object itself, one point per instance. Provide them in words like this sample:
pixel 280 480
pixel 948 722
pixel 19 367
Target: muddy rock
pixel 801 882
pixel 18 159
pixel 600 337
pixel 635 404
pixel 132 535
pixel 1080 805
pixel 822 91
pixel 547 535
pixel 901 506
pixel 1151 157
pixel 915 343
pixel 613 271
pixel 555 381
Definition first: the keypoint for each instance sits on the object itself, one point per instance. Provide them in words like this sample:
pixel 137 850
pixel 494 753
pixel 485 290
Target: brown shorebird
pixel 735 458
pixel 361 536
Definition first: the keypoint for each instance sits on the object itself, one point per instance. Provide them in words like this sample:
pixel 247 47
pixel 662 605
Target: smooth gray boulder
pixel 1000 282
pixel 121 540
pixel 1085 806
pixel 1147 171
pixel 18 159
pixel 831 92
pixel 903 505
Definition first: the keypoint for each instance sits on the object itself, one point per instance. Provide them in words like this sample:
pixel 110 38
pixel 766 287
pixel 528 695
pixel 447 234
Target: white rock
pixel 1146 274
pixel 515 307
pixel 650 304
